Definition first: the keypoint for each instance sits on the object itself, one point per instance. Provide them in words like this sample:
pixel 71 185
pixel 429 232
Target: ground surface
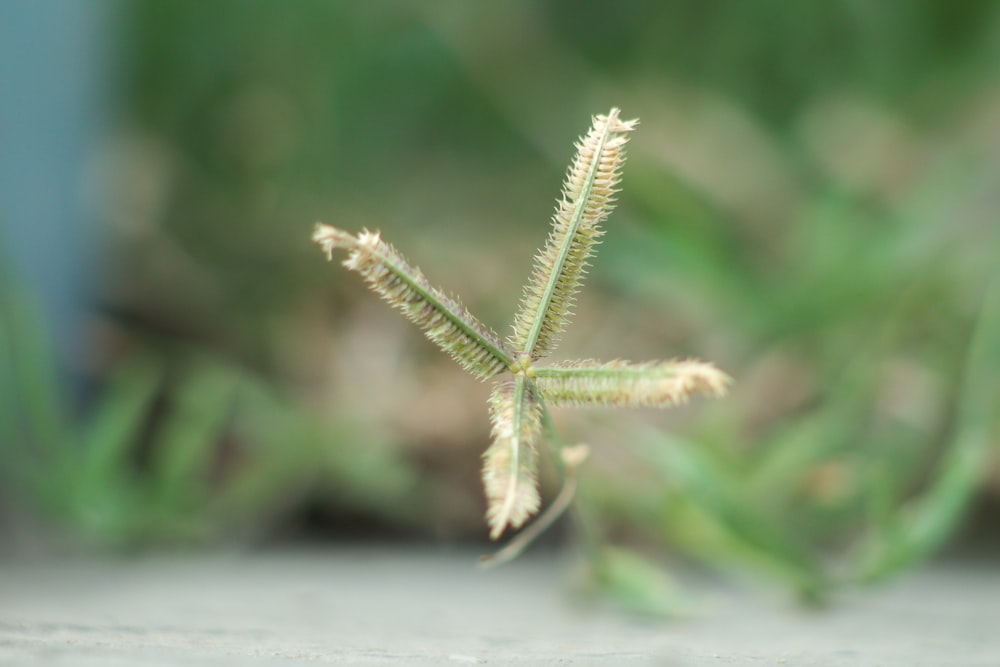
pixel 385 606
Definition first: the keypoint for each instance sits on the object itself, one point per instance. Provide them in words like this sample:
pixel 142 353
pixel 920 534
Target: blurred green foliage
pixel 191 450
pixel 812 200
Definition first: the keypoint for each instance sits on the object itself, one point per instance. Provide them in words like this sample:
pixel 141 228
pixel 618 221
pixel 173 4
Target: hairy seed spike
pixel 442 318
pixel 572 458
pixel 510 465
pixel 586 201
pixel 619 383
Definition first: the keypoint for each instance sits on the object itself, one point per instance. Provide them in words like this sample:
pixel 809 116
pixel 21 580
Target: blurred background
pixel 811 202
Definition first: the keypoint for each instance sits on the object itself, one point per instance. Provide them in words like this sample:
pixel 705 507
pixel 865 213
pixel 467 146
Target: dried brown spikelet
pixel 442 318
pixel 619 383
pixel 510 465
pixel 587 199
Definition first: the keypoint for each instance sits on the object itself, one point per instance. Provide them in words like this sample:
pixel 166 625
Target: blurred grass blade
pixel 110 440
pixel 32 380
pixel 638 585
pixel 811 439
pixel 9 400
pixel 184 452
pixel 287 452
pixel 926 524
pixel 702 481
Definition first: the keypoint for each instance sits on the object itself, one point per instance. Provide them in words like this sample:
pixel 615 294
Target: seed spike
pixel 442 318
pixel 620 383
pixel 587 200
pixel 510 465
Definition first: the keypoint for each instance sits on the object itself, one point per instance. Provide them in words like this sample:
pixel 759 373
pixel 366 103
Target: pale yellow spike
pixel 587 200
pixel 442 318
pixel 510 465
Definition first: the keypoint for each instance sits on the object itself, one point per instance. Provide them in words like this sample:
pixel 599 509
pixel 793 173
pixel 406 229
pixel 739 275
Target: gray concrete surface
pixel 392 606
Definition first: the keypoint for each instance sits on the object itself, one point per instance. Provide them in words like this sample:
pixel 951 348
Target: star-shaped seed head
pixel 518 404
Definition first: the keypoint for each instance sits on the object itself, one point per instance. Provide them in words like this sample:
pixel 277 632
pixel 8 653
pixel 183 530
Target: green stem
pixel 590 534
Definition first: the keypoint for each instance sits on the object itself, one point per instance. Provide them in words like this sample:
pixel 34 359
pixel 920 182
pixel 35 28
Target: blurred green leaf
pixel 637 585
pixel 37 408
pixel 924 523
pixel 719 496
pixel 98 486
pixel 109 441
pixel 200 405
